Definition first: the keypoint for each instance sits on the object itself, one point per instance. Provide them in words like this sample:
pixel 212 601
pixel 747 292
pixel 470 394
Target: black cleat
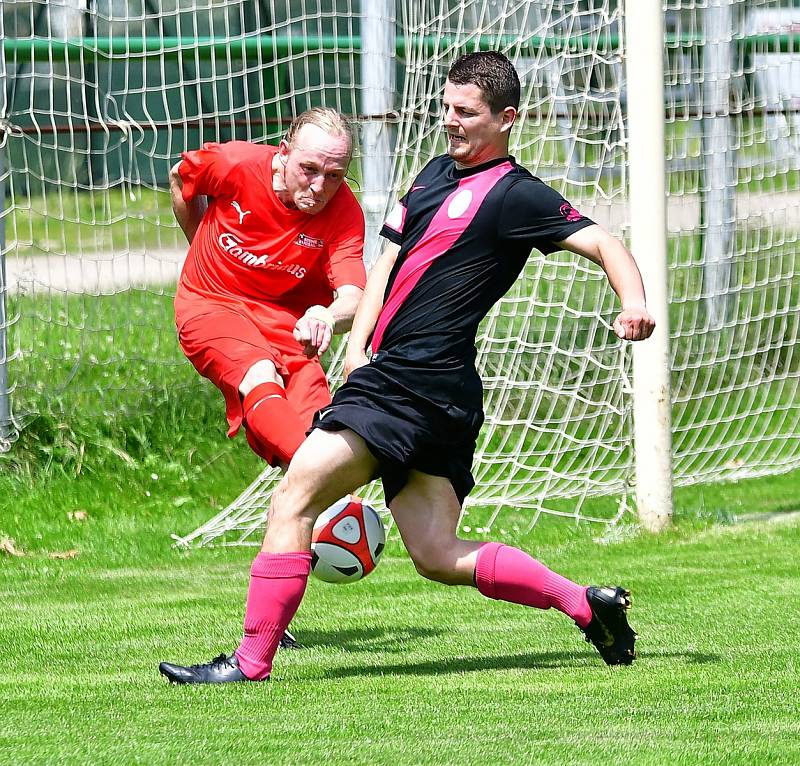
pixel 609 630
pixel 288 641
pixel 221 670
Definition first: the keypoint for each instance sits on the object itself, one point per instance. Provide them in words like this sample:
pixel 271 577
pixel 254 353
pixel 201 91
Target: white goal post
pixel 99 97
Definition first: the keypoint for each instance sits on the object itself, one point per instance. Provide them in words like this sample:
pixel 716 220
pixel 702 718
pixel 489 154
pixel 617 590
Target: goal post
pixel 6 426
pixel 377 66
pixel 652 401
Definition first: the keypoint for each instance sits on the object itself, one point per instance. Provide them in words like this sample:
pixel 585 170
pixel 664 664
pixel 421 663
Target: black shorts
pixel 405 431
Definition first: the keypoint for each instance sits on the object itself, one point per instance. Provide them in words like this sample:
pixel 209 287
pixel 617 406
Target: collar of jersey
pixel 464 172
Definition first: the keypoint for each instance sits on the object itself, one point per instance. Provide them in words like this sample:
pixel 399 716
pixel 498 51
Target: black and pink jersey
pixel 464 237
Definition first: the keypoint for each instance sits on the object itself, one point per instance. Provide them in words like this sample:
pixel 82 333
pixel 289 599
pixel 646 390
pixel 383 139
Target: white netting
pixel 558 431
pixel 98 99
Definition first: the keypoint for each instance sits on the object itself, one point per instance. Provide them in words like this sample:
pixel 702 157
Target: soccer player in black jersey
pixel 412 412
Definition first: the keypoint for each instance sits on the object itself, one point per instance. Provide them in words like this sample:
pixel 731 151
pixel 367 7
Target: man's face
pixel 474 134
pixel 314 167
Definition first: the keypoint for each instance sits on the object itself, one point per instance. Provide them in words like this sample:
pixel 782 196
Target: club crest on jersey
pixel 305 241
pixel 459 203
pixel 570 213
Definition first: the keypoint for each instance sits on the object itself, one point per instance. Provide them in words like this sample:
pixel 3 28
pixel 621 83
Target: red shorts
pixel 225 343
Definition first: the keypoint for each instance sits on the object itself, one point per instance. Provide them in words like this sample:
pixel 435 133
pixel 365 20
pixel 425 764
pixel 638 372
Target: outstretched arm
pixel 595 243
pixel 369 309
pixel 188 214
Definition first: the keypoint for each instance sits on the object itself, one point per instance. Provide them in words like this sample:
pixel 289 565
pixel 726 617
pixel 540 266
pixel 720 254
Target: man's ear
pixel 283 150
pixel 509 116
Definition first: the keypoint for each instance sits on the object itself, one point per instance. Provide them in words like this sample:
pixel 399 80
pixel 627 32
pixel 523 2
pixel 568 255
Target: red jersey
pixel 250 248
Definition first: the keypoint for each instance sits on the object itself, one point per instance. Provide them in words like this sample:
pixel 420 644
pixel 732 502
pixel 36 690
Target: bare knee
pixel 436 563
pixel 304 490
pixel 263 371
pixel 293 497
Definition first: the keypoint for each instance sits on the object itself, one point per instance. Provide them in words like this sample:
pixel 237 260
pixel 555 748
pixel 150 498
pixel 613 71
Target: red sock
pixel 277 584
pixel 509 574
pixel 273 429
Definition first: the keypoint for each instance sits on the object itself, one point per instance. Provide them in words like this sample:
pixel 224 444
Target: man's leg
pixel 326 467
pixel 223 344
pixel 427 512
pixel 273 426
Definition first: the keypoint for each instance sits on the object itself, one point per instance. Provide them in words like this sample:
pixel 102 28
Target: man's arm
pixel 344 307
pixel 315 329
pixel 369 309
pixel 188 214
pixel 595 243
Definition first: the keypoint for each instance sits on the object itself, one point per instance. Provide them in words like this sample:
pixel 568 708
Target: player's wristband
pixel 322 314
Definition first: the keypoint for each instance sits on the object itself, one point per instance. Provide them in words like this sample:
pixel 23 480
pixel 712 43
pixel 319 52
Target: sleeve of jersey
pixel 347 251
pixel 535 214
pixel 203 171
pixel 393 225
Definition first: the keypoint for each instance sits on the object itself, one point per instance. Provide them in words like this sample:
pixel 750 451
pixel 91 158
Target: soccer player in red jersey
pixel 274 268
pixel 412 412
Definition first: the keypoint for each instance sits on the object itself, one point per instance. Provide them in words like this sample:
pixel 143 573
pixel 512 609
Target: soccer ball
pixel 347 541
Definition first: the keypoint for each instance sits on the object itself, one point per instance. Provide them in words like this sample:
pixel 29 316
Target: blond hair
pixel 331 121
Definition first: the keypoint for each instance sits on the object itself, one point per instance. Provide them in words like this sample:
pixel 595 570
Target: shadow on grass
pixel 532 661
pixel 365 640
pixel 690 658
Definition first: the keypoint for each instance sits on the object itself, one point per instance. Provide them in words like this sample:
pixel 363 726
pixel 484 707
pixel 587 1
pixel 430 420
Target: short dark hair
pixel 493 73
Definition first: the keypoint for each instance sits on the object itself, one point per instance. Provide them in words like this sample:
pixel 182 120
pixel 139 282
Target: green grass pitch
pixel 395 670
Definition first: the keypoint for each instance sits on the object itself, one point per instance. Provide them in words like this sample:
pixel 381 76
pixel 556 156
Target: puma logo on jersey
pixel 242 213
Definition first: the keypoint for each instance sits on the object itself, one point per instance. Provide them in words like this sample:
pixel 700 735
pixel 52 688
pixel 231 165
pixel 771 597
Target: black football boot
pixel 609 630
pixel 221 670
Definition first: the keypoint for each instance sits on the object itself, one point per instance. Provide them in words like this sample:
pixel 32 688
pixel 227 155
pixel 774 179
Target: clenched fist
pixel 314 330
pixel 634 324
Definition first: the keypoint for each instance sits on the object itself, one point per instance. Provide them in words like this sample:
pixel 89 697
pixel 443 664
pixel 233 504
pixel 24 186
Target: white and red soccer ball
pixel 347 541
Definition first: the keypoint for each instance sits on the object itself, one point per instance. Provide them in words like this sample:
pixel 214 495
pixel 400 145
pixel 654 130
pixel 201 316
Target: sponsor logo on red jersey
pixel 232 245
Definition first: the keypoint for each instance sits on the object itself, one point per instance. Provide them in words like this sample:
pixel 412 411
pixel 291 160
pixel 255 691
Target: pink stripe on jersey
pixel 449 223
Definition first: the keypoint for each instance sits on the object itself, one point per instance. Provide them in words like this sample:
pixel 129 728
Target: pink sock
pixel 277 584
pixel 509 574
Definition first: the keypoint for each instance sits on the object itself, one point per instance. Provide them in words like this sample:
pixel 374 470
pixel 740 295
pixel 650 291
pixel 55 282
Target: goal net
pixel 99 100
